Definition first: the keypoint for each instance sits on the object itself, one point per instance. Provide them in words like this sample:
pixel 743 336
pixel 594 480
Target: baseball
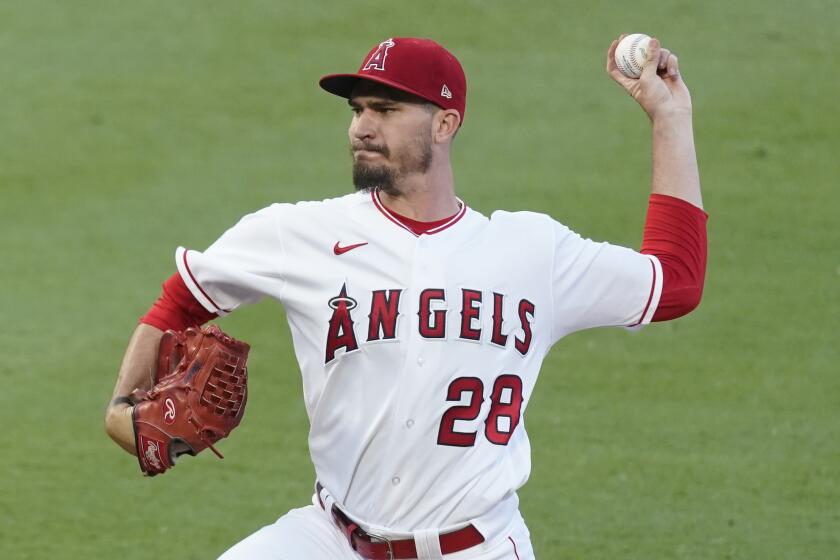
pixel 631 53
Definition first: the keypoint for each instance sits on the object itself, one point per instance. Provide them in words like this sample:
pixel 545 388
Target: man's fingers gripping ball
pixel 199 397
pixel 636 52
pixel 666 61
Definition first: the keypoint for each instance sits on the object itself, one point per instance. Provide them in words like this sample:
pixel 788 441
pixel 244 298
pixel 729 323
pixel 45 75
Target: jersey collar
pixel 374 194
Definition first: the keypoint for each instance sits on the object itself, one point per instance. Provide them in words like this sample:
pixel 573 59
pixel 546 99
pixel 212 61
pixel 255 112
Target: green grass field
pixel 130 128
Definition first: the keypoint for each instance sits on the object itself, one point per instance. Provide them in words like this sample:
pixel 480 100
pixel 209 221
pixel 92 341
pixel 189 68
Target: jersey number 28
pixel 505 407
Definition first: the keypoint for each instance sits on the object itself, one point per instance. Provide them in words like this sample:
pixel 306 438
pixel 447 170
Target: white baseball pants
pixel 309 533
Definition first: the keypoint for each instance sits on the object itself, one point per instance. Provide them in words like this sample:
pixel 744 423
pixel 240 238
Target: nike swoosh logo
pixel 341 250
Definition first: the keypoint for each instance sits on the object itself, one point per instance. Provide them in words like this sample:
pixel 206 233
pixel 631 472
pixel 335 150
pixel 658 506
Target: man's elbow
pixel 679 303
pixel 692 300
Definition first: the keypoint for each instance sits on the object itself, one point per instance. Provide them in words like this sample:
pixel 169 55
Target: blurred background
pixel 128 128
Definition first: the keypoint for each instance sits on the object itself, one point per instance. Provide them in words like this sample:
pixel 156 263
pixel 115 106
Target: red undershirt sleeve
pixel 675 232
pixel 176 308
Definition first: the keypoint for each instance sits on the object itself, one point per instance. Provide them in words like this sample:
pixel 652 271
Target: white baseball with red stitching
pixel 631 53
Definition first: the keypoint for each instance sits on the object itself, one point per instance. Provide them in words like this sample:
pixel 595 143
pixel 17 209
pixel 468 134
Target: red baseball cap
pixel 418 66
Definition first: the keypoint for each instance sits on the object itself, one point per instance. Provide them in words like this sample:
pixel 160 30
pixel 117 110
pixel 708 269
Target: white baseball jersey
pixel 419 354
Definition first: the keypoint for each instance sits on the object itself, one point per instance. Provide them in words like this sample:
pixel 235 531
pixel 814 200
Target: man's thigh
pixel 302 533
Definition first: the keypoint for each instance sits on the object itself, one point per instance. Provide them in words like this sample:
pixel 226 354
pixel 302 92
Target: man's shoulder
pixel 533 225
pixel 522 219
pixel 312 208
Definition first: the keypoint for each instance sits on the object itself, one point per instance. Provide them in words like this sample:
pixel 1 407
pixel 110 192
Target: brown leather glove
pixel 198 397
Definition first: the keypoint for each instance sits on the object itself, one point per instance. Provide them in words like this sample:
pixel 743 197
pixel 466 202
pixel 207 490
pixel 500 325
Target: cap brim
pixel 342 85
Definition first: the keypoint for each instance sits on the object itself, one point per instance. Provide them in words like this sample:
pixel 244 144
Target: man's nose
pixel 363 126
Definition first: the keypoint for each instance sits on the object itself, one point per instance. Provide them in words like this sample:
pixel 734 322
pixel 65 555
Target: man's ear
pixel 446 123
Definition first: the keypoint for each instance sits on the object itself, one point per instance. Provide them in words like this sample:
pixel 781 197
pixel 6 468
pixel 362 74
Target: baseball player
pixel 420 324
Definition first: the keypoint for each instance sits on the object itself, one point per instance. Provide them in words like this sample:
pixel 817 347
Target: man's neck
pixel 425 198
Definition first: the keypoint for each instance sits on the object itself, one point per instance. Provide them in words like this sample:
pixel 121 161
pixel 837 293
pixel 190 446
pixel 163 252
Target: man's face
pixel 390 136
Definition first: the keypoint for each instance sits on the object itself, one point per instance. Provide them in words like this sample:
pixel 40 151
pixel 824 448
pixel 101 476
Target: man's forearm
pixel 675 170
pixel 675 230
pixel 136 372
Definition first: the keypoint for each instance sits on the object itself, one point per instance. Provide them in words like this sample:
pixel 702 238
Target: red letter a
pixel 341 333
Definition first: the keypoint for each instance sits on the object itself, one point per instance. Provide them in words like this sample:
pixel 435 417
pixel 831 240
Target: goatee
pixel 367 176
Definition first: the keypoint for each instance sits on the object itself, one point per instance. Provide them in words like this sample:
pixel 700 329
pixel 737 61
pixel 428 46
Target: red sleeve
pixel 176 308
pixel 675 232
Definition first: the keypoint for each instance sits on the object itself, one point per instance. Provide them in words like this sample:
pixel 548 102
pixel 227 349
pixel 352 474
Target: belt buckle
pixel 387 541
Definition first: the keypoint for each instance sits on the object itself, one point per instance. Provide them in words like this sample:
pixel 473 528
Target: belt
pixel 377 547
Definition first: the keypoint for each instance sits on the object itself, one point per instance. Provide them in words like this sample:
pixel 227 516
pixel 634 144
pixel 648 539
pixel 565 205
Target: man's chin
pixel 370 177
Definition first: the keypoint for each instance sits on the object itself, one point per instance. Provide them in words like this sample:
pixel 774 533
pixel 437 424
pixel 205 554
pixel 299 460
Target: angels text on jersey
pixel 382 319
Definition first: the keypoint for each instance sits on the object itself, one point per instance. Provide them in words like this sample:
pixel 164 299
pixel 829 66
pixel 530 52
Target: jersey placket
pixel 422 360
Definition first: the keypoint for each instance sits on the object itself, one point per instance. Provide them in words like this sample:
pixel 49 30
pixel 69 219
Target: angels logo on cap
pixel 421 67
pixel 377 61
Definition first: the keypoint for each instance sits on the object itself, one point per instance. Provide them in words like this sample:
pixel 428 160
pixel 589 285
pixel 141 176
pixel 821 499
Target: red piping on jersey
pixel 416 227
pixel 650 297
pixel 514 547
pixel 187 266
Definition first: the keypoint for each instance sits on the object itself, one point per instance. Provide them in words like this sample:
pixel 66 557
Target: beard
pixel 416 158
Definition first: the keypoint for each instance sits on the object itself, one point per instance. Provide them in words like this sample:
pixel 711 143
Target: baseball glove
pixel 198 397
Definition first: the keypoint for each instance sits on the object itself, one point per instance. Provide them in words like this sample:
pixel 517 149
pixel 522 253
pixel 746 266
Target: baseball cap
pixel 418 66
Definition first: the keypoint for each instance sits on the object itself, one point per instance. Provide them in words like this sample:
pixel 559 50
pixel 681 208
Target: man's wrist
pixel 125 399
pixel 672 114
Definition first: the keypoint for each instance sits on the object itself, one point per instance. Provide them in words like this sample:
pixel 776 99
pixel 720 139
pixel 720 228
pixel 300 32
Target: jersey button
pixel 395 480
pixel 421 361
pixel 409 423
